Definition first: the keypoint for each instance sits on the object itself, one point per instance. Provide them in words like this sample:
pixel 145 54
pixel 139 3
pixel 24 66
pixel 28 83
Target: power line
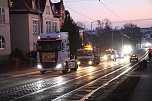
pixel 134 20
pixel 109 10
pixel 78 12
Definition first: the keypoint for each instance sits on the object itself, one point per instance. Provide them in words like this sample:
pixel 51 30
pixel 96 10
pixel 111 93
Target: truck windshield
pixel 47 46
pixel 110 52
pixel 84 53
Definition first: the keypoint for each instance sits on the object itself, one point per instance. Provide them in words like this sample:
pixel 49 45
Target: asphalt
pixel 143 90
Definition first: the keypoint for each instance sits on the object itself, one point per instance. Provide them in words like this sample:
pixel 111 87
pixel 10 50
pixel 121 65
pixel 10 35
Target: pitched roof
pixel 57 7
pixel 25 6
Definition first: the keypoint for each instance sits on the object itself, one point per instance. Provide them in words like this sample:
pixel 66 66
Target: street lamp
pixel 92 30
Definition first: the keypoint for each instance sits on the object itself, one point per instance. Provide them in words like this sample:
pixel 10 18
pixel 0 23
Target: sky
pixel 119 12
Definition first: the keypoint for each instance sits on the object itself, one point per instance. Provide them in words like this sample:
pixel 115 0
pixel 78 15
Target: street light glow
pixel 127 49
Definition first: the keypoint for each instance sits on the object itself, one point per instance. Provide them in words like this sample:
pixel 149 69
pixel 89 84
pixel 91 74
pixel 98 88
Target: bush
pixel 32 54
pixel 16 54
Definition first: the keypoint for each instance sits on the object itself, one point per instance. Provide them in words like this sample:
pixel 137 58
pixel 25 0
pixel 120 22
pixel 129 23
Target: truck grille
pixel 48 65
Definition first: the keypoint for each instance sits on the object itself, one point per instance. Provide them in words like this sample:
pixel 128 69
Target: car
pixel 110 55
pixel 133 58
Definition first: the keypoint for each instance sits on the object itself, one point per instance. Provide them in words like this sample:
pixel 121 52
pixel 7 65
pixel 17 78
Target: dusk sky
pixel 118 11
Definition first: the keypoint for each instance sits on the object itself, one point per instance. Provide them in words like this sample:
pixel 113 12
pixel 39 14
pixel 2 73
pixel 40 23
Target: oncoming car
pixel 134 57
pixel 110 55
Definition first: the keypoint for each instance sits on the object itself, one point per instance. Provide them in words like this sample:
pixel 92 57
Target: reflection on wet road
pixel 56 86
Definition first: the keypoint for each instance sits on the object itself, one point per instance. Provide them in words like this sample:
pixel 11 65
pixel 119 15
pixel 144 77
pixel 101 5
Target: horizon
pixel 119 12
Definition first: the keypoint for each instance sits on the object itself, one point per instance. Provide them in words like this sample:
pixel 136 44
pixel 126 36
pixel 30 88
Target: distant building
pixel 5 44
pixel 30 18
pixel 145 30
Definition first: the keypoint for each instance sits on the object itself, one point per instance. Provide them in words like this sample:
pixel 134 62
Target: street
pixel 79 85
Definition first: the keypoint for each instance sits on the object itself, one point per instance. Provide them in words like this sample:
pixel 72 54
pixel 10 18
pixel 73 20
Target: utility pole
pixel 92 31
pixel 39 17
pixel 112 40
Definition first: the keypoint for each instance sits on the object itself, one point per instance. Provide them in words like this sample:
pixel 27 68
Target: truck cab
pixel 87 56
pixel 53 53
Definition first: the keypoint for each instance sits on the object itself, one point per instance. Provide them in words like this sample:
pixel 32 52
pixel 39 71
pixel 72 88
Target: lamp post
pixel 92 30
pixel 122 38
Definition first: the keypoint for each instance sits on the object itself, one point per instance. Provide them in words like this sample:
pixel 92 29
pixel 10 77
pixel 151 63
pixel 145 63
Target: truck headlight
pixel 105 57
pixel 39 66
pixel 78 62
pixel 90 62
pixel 112 56
pixel 59 66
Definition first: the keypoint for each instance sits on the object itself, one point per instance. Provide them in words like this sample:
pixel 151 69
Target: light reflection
pixel 122 60
pixel 91 69
pixel 105 65
pixel 59 80
pixel 39 84
pixel 112 63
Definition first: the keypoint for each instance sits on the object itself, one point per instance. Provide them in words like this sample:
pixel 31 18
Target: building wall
pixel 32 37
pixel 49 17
pixel 20 32
pixel 5 31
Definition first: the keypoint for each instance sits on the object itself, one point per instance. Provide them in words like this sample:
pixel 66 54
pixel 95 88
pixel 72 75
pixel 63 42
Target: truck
pixel 110 54
pixel 87 56
pixel 53 53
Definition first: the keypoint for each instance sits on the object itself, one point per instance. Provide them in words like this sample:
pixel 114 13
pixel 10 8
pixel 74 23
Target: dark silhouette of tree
pixel 133 32
pixel 73 30
pixel 104 35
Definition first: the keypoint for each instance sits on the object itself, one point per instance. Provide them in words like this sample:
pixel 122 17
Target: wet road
pixel 54 86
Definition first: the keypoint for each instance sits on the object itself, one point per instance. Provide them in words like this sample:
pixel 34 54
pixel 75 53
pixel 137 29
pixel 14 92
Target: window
pixel 54 26
pixel 35 26
pixel 2 42
pixel 48 26
pixel 2 15
pixel 47 10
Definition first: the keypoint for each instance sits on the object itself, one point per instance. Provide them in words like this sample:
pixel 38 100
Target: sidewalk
pixel 143 90
pixel 11 67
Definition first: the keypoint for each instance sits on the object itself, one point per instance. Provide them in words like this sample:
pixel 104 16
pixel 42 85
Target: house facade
pixel 5 44
pixel 29 19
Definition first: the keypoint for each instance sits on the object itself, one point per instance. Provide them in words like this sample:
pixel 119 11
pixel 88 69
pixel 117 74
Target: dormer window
pixel 47 9
pixel 2 15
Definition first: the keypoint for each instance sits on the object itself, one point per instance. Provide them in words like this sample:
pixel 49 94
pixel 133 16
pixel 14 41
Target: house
pixel 59 11
pixel 5 44
pixel 28 19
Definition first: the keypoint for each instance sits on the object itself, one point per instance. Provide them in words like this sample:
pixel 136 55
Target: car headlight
pixel 112 56
pixel 59 66
pixel 39 66
pixel 105 57
pixel 90 62
pixel 78 62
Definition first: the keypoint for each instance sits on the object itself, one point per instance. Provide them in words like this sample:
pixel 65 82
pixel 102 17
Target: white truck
pixel 53 53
